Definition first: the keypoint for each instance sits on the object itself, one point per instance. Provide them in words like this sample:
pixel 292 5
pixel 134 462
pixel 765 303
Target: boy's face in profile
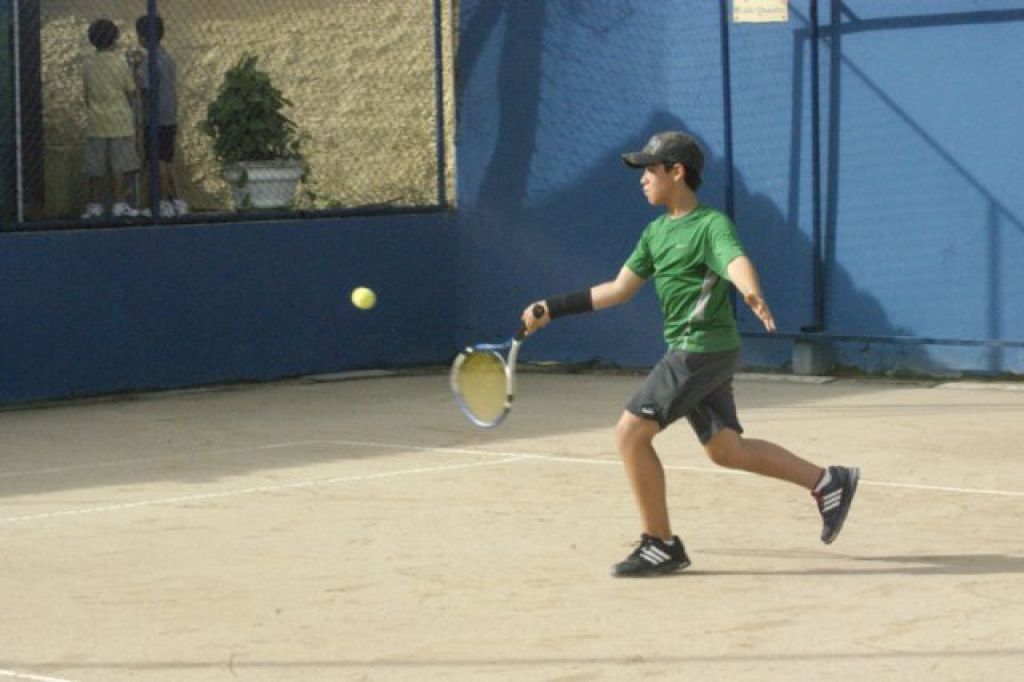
pixel 660 183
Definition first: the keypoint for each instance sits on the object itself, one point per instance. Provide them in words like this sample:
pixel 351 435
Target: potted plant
pixel 255 142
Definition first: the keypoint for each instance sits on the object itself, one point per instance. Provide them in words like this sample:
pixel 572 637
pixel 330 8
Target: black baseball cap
pixel 668 147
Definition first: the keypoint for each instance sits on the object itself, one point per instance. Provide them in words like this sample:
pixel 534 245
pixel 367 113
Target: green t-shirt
pixel 687 257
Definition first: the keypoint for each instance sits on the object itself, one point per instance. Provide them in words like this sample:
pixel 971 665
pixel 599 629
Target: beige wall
pixel 359 72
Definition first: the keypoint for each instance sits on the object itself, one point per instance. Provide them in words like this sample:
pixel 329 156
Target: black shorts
pixel 697 386
pixel 165 141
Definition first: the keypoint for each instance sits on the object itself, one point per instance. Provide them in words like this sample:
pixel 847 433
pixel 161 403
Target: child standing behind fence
pixel 110 126
pixel 166 114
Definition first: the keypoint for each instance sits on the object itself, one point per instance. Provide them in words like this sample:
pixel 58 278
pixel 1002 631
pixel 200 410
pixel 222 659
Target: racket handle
pixel 538 312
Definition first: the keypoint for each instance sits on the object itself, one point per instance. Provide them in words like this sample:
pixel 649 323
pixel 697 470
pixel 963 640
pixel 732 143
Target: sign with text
pixel 759 11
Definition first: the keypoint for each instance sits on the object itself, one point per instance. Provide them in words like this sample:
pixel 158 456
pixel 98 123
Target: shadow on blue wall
pixel 999 216
pixel 515 249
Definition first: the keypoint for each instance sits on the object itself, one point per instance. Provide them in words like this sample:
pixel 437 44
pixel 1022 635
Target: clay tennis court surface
pixel 362 530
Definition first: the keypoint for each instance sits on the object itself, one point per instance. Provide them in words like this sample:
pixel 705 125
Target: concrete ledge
pixel 983 385
pixel 350 376
pixel 784 378
pixel 812 357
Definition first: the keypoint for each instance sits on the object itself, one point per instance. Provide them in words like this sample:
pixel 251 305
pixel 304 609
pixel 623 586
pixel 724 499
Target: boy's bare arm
pixel 604 295
pixel 618 290
pixel 744 278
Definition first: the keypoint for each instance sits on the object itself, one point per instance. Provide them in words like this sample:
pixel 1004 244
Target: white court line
pixel 26 676
pixel 504 458
pixel 699 470
pixel 250 491
pixel 464 451
pixel 154 458
pixel 946 489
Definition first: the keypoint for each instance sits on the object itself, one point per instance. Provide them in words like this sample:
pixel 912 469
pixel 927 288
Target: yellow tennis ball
pixel 363 298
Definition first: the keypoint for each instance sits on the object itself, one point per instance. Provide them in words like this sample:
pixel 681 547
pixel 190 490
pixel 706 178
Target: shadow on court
pixel 206 436
pixel 923 565
pixel 364 530
pixel 622 663
pixel 209 435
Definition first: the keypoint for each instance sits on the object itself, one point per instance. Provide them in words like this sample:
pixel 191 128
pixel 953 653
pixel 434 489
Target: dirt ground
pixel 362 530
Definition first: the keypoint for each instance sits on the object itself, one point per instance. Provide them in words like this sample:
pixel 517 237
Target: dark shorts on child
pixel 166 136
pixel 697 386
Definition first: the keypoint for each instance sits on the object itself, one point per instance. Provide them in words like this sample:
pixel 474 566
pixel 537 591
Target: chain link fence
pixel 83 100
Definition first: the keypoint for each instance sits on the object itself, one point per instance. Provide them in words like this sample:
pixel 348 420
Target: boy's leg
pixel 717 425
pixel 94 204
pixel 677 383
pixel 729 449
pixel 659 552
pixel 833 489
pixel 94 167
pixel 124 161
pixel 168 140
pixel 96 187
pixel 674 386
pixel 635 436
pixel 166 181
pixel 119 185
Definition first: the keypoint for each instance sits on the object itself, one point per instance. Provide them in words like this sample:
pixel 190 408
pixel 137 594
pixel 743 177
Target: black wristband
pixel 570 304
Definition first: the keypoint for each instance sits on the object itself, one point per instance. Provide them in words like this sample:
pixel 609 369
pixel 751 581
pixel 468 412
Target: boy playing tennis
pixel 692 252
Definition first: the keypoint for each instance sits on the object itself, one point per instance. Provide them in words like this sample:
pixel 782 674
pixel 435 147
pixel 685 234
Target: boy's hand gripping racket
pixel 484 383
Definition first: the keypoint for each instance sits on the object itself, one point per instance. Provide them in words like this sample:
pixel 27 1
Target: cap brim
pixel 640 159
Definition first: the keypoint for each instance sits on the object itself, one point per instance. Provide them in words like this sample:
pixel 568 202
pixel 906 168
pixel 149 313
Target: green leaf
pixel 245 120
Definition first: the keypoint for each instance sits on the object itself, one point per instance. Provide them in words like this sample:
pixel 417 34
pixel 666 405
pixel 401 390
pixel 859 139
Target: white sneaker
pixel 123 210
pixel 93 211
pixel 180 206
pixel 167 209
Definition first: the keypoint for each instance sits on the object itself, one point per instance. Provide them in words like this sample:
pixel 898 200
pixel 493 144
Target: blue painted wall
pixel 101 311
pixel 550 93
pixel 921 207
pixel 928 226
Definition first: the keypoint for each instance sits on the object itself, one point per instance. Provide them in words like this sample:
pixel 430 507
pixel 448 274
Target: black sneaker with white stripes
pixel 834 500
pixel 653 557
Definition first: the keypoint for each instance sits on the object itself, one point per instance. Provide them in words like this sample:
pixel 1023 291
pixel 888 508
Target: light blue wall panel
pixel 920 205
pixel 928 217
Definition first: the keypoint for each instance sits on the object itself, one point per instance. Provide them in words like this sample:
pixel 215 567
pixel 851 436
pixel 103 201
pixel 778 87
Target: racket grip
pixel 538 312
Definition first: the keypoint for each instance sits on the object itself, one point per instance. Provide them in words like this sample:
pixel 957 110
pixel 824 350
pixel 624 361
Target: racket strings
pixel 482 387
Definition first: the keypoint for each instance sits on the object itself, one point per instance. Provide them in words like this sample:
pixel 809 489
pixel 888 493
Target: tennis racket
pixel 484 381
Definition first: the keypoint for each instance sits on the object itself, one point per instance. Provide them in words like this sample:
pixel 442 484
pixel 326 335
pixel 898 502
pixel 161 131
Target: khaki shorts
pixel 110 154
pixel 697 386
